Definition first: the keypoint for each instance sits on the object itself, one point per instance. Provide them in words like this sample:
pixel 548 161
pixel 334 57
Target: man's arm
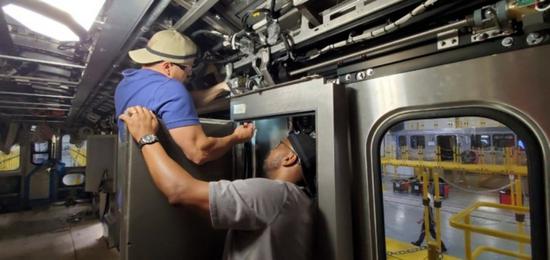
pixel 200 148
pixel 204 97
pixel 171 179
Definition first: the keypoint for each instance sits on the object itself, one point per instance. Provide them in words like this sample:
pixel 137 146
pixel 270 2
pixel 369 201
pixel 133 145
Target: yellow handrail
pixel 461 220
pixel 9 163
pixel 457 221
pixel 78 155
pixel 482 249
pixel 519 170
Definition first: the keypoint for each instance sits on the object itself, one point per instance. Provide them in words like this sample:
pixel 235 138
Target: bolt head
pixel 370 72
pixel 507 42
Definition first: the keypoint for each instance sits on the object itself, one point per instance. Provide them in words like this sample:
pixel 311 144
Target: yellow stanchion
pixel 425 182
pixel 437 201
pixel 520 222
pixel 467 239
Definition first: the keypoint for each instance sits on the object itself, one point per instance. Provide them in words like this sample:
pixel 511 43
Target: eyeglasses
pixel 183 67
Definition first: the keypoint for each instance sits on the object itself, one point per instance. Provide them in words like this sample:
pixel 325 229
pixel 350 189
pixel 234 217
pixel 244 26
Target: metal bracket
pixel 447 39
pixel 260 66
pixel 489 34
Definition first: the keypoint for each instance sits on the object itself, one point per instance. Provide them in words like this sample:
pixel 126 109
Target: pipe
pixel 34 95
pixel 38 121
pixel 37 116
pixel 35 108
pixel 45 80
pixel 53 63
pixel 33 103
pixel 427 35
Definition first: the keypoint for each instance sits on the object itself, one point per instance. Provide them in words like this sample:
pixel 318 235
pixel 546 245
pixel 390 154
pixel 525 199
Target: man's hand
pixel 140 121
pixel 244 132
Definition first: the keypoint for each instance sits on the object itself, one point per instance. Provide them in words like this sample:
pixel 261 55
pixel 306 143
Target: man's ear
pixel 290 160
pixel 165 67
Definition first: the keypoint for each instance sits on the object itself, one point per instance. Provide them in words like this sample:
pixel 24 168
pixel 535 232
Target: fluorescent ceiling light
pixel 83 12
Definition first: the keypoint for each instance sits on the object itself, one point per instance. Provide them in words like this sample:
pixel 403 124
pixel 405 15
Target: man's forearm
pixel 171 179
pixel 204 97
pixel 217 147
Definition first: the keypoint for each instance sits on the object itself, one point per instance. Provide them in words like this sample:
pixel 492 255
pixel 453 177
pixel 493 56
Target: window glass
pixel 503 140
pixel 402 141
pixel 41 147
pixel 459 182
pixel 40 152
pixel 481 141
pixel 11 160
pixel 73 155
pixel 418 141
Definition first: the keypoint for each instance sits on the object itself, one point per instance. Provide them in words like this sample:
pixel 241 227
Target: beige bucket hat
pixel 167 45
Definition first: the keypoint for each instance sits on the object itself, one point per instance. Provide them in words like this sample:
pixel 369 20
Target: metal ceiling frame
pixel 120 28
pixel 194 13
pixel 215 21
pixel 39 61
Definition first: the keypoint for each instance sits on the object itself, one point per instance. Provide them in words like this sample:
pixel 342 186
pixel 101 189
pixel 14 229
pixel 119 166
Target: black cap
pixel 305 147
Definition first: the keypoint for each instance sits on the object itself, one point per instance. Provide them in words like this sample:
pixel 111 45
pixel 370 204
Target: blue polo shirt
pixel 166 97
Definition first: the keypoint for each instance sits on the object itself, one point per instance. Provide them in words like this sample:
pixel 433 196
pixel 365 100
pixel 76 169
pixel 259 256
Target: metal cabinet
pixel 151 228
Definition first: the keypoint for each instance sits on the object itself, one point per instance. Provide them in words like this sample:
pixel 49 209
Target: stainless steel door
pixel 512 86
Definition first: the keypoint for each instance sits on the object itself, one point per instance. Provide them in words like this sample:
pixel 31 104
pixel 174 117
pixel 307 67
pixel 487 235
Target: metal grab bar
pixel 9 163
pixel 78 156
pixel 482 249
pixel 461 220
pixel 507 169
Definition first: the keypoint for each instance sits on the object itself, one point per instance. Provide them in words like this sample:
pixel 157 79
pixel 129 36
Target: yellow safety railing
pixel 9 162
pixel 505 169
pixel 511 162
pixel 78 155
pixel 462 221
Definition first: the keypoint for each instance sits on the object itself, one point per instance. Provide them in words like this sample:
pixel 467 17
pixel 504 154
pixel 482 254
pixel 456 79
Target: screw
pixel 347 77
pixel 507 42
pixel 534 38
pixel 360 75
pixel 370 72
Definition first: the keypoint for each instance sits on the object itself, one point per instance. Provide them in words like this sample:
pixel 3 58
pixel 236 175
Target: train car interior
pixel 427 119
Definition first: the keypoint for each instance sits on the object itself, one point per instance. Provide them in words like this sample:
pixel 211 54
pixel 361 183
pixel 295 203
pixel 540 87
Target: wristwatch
pixel 147 139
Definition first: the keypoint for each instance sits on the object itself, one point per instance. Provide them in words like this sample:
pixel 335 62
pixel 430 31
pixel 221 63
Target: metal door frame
pixel 328 102
pixel 510 87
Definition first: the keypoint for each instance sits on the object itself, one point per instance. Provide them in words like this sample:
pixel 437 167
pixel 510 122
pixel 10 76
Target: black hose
pixel 208 32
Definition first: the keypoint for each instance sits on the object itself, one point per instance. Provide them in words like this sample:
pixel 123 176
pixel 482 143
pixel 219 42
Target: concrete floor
pixel 46 234
pixel 402 211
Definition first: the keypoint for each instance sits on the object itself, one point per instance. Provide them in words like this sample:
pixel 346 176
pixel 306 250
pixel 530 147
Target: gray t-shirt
pixel 267 219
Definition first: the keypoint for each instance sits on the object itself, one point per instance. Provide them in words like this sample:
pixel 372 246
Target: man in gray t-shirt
pixel 266 218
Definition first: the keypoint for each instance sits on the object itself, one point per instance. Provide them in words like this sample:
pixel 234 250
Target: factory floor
pixel 403 210
pixel 53 233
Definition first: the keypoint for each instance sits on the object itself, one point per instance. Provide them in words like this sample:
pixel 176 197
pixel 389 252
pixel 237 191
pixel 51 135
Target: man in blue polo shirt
pixel 166 64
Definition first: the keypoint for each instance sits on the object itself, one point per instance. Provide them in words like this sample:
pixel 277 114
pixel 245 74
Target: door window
pixel 455 197
pixel 10 161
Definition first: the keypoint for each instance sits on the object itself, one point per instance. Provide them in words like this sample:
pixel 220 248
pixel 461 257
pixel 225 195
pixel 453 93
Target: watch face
pixel 149 138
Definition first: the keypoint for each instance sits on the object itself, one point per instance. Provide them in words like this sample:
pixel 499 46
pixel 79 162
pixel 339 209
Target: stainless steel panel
pixel 328 102
pixel 100 162
pixel 153 229
pixel 515 83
